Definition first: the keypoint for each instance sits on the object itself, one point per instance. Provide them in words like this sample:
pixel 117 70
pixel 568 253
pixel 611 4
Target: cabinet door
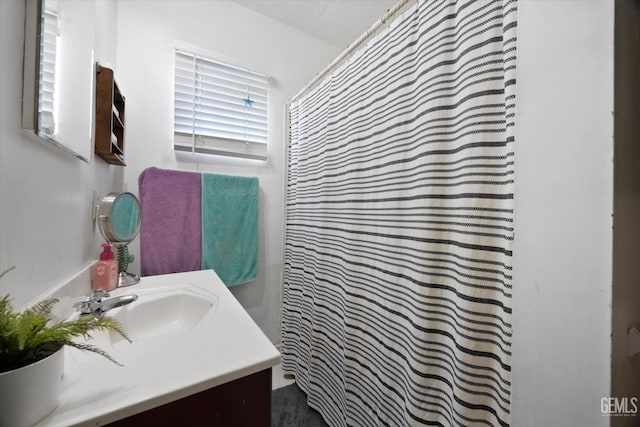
pixel 240 403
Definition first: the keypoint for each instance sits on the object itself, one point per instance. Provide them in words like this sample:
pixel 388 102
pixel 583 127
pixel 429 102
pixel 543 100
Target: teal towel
pixel 230 227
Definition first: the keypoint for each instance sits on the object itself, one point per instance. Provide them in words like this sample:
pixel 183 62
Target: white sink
pixel 159 312
pixel 164 312
pixel 179 325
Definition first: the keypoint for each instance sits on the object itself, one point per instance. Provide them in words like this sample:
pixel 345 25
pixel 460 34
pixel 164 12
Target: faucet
pixel 96 307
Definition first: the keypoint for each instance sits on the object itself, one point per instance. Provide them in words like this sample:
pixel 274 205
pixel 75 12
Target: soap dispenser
pixel 105 272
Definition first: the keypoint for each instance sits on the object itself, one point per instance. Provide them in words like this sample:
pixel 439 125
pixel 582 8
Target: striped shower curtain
pixel 399 224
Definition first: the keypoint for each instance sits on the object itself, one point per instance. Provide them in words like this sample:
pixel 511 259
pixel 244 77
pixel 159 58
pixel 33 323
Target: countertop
pixel 94 391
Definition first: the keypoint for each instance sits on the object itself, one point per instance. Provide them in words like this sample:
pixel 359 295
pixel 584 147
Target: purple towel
pixel 171 221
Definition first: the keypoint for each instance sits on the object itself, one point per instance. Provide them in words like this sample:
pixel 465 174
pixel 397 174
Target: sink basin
pixel 164 312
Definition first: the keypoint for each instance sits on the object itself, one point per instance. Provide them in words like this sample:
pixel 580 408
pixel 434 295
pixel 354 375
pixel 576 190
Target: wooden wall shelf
pixel 110 118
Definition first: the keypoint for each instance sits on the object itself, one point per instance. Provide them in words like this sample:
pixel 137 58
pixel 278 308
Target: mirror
pixel 125 218
pixel 59 74
pixel 119 219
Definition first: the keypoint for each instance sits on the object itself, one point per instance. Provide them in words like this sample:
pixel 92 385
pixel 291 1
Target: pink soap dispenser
pixel 105 272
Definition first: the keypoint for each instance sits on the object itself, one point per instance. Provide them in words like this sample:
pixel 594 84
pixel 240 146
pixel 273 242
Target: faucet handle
pixel 97 296
pixel 92 303
pixel 83 307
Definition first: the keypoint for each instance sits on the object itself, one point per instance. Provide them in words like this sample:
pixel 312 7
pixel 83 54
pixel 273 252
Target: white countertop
pixel 157 371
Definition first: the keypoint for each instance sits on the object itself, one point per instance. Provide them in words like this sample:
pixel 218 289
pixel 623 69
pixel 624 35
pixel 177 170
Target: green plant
pixel 31 335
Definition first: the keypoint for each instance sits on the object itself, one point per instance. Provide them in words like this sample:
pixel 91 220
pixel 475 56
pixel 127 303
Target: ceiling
pixel 337 22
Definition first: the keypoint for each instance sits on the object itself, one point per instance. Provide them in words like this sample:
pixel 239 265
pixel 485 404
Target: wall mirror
pixel 119 219
pixel 59 73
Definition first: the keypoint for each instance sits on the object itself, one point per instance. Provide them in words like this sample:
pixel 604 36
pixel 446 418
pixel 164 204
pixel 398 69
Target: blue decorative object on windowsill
pixel 248 101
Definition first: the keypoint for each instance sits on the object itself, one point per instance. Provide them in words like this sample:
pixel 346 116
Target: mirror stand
pixel 124 259
pixel 119 219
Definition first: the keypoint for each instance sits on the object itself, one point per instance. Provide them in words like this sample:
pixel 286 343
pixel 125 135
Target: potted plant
pixel 31 357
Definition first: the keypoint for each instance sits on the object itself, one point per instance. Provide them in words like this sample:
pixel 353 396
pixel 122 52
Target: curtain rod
pixel 353 46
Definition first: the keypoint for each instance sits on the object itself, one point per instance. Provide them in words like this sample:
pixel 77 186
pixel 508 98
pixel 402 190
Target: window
pixel 219 108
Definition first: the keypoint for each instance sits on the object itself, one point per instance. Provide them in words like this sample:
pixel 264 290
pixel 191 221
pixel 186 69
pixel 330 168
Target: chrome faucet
pixel 96 307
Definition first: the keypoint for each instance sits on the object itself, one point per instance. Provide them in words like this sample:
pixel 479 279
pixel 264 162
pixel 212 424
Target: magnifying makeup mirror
pixel 119 219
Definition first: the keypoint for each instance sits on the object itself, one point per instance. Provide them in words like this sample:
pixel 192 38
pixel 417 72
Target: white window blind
pixel 218 108
pixel 48 54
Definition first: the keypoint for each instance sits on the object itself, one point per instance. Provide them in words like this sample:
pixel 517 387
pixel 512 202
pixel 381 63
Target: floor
pixel 289 406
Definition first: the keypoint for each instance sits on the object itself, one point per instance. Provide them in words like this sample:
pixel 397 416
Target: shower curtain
pixel 399 224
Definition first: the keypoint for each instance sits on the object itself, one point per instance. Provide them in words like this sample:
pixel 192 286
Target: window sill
pixel 237 149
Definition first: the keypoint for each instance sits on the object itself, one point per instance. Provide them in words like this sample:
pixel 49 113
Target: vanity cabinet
pixel 239 403
pixel 110 116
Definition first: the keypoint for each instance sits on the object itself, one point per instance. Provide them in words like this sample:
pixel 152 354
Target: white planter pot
pixel 30 393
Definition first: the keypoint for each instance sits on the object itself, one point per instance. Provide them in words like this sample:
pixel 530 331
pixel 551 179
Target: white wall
pixel 563 240
pixel 45 195
pixel 146 37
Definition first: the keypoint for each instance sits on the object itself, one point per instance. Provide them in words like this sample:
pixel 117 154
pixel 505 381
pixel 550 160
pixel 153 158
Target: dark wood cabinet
pixel 110 118
pixel 240 403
